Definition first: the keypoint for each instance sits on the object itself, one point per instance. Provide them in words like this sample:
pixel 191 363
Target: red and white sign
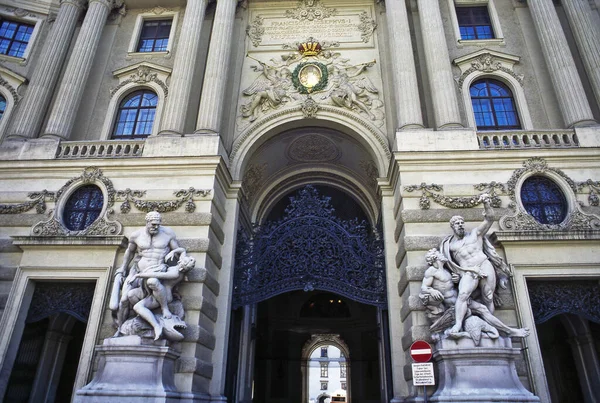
pixel 420 351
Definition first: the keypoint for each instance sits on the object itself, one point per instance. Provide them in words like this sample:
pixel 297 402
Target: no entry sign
pixel 420 351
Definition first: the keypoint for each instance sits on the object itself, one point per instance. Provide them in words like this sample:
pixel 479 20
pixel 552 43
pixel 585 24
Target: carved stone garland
pixel 551 298
pixel 594 187
pixel 38 202
pixel 429 191
pixel 520 220
pixel 102 226
pixel 186 196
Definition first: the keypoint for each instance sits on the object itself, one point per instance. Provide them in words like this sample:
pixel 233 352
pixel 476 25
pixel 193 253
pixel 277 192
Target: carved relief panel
pixel 311 56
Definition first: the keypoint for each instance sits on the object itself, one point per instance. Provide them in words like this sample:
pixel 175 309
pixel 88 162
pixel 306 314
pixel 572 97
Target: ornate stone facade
pixel 392 111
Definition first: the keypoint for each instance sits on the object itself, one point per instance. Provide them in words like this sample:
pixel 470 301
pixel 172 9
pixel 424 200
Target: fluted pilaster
pixel 571 97
pixel 408 104
pixel 439 70
pixel 177 105
pixel 29 115
pixel 217 67
pixel 62 117
pixel 587 36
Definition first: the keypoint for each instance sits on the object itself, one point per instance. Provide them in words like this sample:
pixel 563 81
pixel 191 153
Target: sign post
pixel 422 369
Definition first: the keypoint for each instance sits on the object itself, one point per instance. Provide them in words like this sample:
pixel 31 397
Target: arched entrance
pixel 292 275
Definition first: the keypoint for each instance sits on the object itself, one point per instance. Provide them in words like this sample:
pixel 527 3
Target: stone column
pixel 587 36
pixel 186 57
pixel 571 97
pixel 30 112
pixel 67 101
pixel 408 104
pixel 217 67
pixel 439 70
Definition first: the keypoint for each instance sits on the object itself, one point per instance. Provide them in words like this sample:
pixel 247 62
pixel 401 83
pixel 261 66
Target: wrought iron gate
pixel 310 249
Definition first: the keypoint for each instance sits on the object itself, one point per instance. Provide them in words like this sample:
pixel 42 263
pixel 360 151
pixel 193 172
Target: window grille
pixel 154 36
pixel 135 117
pixel 543 199
pixel 14 37
pixel 83 207
pixel 474 23
pixel 493 106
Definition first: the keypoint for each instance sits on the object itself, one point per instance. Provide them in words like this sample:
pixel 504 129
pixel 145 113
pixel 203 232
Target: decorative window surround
pixel 9 86
pixel 498 35
pixel 20 15
pixel 497 65
pixel 156 13
pixel 135 77
pixel 520 220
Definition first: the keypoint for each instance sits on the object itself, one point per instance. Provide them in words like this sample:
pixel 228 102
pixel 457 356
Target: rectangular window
pixel 342 369
pixel 323 351
pixel 323 385
pixel 344 386
pixel 14 37
pixel 324 370
pixel 154 36
pixel 474 23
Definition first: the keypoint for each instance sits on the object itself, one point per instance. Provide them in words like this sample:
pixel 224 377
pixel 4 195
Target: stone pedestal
pixel 480 374
pixel 133 370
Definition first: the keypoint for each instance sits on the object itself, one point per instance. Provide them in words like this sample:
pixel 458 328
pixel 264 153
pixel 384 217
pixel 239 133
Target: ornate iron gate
pixel 310 249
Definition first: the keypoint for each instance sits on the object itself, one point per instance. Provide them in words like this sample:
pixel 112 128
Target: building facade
pixel 398 114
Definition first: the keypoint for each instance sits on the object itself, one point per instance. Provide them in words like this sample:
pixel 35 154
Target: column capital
pixel 77 3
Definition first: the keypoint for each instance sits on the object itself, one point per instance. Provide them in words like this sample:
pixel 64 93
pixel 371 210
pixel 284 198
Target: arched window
pixel 83 207
pixel 2 106
pixel 136 115
pixel 543 199
pixel 493 106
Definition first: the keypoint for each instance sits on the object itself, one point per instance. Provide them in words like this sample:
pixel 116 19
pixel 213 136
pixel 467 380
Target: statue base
pixel 483 374
pixel 134 370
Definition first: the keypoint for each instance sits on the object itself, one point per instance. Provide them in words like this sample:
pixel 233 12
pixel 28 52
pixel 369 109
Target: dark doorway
pixel 47 359
pixel 285 324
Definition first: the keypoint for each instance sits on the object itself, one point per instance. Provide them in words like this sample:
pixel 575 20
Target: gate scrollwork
pixel 310 249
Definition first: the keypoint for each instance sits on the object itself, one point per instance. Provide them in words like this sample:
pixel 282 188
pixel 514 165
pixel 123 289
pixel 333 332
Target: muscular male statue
pixel 150 246
pixel 471 256
pixel 438 293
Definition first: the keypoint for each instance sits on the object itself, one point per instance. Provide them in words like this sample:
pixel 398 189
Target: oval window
pixel 83 207
pixel 543 199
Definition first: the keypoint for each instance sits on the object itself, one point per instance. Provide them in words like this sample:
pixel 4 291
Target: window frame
pixel 27 18
pixel 488 80
pixel 86 211
pixel 133 136
pixel 324 369
pixel 156 14
pixel 564 203
pixel 153 77
pixel 561 183
pixel 494 21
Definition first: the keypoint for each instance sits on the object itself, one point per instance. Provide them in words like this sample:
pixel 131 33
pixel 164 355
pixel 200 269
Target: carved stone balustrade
pixel 530 139
pixel 100 149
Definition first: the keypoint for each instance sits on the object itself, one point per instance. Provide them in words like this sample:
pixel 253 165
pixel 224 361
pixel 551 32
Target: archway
pixel 315 246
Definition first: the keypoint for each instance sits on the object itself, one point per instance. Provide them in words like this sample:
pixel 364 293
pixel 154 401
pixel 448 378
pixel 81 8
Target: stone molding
pixel 142 73
pixel 432 192
pixel 487 61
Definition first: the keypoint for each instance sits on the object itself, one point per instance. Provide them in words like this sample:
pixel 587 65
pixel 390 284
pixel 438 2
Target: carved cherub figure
pixel 350 91
pixel 271 89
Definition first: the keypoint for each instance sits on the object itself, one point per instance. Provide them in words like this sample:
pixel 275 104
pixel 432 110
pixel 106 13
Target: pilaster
pixel 30 113
pixel 217 67
pixel 587 34
pixel 439 70
pixel 70 92
pixel 572 100
pixel 180 90
pixel 408 105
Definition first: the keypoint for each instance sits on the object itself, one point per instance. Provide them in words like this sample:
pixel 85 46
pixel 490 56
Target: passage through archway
pixel 315 267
